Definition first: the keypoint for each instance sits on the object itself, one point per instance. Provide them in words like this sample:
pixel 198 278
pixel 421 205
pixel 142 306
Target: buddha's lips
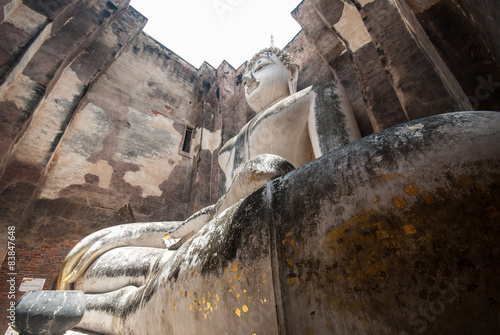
pixel 252 87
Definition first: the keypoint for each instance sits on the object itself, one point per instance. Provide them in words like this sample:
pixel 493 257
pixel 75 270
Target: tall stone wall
pixel 223 113
pixel 93 112
pixel 122 146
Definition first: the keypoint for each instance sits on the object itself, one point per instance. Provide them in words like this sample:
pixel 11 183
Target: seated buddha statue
pixel 118 265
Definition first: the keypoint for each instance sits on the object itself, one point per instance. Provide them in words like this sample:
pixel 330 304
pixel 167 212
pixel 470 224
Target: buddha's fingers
pixel 90 255
pixel 148 234
pixel 139 235
pixel 74 257
pixel 67 269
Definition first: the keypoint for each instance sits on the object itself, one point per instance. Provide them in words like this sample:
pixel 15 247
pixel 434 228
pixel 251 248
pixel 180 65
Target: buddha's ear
pixel 292 84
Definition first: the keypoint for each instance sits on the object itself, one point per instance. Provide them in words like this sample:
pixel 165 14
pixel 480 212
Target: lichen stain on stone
pixel 36 91
pixel 230 243
pixel 85 138
pixel 330 117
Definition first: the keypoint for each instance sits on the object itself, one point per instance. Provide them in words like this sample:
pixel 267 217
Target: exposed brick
pixel 32 261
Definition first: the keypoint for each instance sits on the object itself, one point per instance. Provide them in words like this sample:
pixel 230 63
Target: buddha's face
pixel 267 80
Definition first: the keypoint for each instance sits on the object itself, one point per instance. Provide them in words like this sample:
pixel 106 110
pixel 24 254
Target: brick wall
pixel 33 260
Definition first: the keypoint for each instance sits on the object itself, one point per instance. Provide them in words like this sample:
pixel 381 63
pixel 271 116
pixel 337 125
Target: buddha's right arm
pixel 148 234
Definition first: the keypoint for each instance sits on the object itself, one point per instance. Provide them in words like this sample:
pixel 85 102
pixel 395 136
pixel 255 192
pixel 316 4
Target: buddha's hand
pixel 190 226
pixel 148 234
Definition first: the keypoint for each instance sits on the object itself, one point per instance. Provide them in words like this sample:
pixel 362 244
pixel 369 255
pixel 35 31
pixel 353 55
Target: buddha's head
pixel 270 76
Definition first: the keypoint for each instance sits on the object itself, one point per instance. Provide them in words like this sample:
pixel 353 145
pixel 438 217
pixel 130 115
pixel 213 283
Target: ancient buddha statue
pixel 118 267
pixel 297 126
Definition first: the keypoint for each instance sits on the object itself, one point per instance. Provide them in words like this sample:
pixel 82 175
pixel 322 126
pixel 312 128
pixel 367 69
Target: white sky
pixel 217 30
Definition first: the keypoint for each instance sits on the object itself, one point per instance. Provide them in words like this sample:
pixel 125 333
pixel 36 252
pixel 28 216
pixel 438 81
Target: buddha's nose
pixel 248 78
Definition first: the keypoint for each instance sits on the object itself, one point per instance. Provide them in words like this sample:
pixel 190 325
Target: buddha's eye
pixel 259 67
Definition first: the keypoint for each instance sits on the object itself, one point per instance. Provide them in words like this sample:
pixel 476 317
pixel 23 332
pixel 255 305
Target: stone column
pixel 355 61
pixel 422 81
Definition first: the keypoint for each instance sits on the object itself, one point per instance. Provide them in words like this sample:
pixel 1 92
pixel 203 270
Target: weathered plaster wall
pixel 55 72
pixel 122 146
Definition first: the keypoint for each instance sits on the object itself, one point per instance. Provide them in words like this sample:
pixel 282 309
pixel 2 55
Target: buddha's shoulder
pixel 306 95
pixel 290 108
pixel 299 102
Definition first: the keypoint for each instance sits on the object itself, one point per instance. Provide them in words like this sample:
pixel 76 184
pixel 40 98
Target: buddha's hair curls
pixel 283 56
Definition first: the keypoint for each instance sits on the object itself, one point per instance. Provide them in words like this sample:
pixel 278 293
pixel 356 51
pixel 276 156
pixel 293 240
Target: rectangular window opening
pixel 186 145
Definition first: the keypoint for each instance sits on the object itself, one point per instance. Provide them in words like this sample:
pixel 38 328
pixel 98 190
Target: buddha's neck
pixel 273 102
